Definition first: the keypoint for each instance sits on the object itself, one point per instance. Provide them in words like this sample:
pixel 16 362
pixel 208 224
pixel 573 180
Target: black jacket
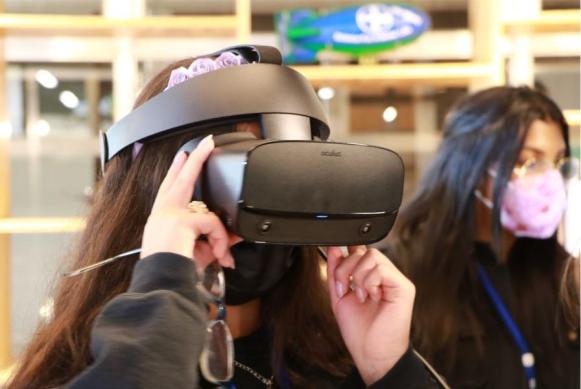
pixel 499 367
pixel 152 336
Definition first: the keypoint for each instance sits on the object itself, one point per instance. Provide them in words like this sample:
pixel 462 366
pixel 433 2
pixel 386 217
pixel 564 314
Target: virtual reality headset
pixel 293 186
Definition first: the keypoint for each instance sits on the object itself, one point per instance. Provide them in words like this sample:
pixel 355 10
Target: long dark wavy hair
pixel 297 312
pixel 434 237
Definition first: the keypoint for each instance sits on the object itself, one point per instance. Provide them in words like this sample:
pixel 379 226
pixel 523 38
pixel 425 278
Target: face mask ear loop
pixel 483 199
pixel 488 203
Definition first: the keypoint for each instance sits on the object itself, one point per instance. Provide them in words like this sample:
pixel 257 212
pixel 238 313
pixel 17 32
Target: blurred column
pixel 125 64
pixel 16 110
pixel 426 136
pixel 5 132
pixel 571 233
pixel 33 139
pixel 93 93
pixel 123 9
pixel 485 22
pixel 339 113
pixel 243 21
pixel 125 77
pixel 521 62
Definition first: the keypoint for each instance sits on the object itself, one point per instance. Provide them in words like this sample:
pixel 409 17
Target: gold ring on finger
pixel 351 283
pixel 198 207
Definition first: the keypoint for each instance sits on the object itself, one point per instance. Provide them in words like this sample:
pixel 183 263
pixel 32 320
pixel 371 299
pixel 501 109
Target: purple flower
pixel 136 149
pixel 178 76
pixel 202 65
pixel 228 59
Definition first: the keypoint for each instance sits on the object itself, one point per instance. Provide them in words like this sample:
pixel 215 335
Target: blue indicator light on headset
pixel 322 216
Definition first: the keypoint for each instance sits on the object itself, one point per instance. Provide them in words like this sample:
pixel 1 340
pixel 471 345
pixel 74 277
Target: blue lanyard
pixel 527 357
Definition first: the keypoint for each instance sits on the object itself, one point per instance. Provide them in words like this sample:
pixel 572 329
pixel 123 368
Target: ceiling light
pixel 390 114
pixel 69 99
pixel 46 79
pixel 326 93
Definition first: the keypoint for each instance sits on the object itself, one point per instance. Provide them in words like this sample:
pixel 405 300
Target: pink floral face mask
pixel 533 205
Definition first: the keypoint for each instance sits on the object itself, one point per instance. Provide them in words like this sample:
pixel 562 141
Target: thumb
pixel 334 257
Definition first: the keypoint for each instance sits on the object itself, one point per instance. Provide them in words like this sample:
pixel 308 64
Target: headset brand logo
pixel 330 153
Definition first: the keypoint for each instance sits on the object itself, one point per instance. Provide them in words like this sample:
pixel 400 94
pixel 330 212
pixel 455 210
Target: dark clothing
pixel 254 351
pixel 500 365
pixel 503 368
pixel 152 336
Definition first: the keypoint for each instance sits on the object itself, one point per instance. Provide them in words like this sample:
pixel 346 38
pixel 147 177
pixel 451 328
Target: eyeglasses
pixel 217 358
pixel 568 167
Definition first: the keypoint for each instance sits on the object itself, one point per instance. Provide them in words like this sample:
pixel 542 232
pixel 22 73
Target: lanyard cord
pixel 527 357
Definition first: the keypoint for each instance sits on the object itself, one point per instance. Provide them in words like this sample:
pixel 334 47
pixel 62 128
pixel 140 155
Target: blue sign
pixel 361 30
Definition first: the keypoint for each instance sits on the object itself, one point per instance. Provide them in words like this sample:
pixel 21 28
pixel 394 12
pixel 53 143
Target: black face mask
pixel 259 267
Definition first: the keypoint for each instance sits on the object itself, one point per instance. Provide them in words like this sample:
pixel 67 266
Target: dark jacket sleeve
pixel 408 373
pixel 152 335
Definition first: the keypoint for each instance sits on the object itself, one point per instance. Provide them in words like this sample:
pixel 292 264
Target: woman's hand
pixel 172 227
pixel 374 318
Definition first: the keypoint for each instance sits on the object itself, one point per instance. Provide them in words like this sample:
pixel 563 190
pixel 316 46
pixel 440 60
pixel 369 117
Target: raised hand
pixel 172 227
pixel 374 317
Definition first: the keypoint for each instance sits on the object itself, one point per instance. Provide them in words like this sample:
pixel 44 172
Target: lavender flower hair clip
pixel 204 65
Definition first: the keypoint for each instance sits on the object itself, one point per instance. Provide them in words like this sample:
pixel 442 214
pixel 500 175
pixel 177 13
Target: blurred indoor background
pixel 69 68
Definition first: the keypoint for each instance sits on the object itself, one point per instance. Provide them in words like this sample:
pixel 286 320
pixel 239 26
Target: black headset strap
pixel 201 101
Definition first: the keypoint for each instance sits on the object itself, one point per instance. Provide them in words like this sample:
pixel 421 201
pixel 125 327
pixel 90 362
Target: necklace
pixel 266 381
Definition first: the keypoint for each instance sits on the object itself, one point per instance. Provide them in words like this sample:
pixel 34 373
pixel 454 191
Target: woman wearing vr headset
pixel 479 241
pixel 144 322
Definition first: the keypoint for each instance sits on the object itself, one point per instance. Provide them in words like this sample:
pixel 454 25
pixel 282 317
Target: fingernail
pixel 361 294
pixel 340 289
pixel 179 156
pixel 206 140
